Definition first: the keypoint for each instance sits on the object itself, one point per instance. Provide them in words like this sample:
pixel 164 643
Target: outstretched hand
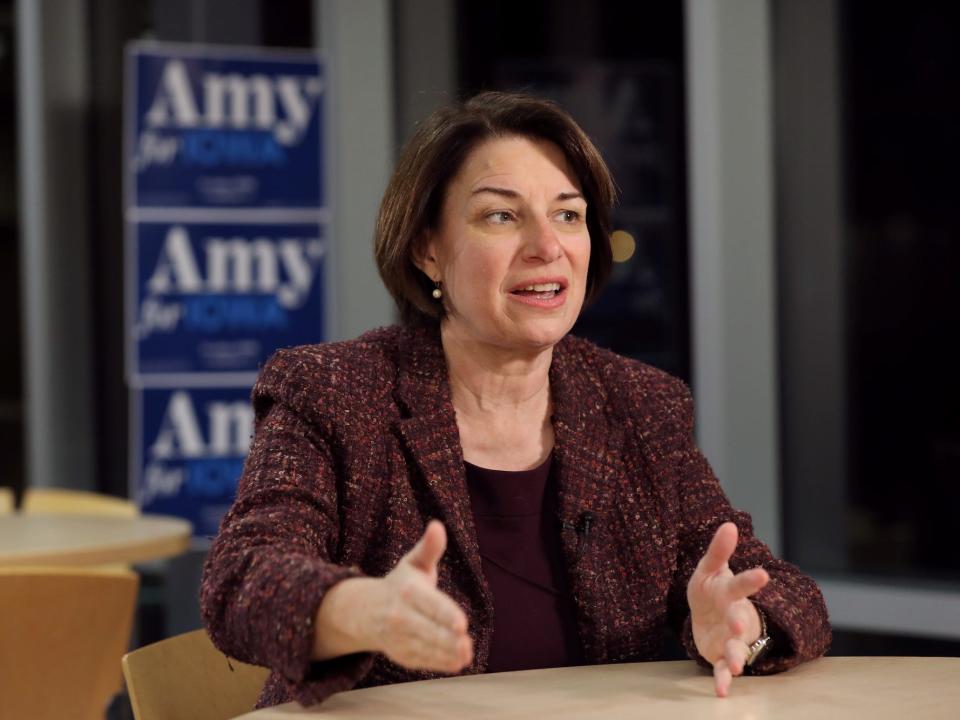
pixel 415 624
pixel 403 615
pixel 723 619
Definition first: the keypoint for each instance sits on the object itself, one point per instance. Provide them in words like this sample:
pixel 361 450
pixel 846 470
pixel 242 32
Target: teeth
pixel 543 287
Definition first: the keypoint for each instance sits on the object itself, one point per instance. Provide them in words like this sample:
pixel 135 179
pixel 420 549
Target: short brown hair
pixel 413 201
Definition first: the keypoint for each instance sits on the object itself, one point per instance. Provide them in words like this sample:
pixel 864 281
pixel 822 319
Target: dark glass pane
pixel 618 69
pixel 903 151
pixel 11 393
pixel 899 150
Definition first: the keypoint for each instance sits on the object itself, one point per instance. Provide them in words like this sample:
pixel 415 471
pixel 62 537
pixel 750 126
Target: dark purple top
pixel 518 530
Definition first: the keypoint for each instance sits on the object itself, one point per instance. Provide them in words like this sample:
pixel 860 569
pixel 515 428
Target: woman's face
pixel 512 246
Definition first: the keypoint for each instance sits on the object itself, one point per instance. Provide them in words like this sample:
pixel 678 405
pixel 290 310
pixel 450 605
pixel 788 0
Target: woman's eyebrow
pixel 513 194
pixel 505 192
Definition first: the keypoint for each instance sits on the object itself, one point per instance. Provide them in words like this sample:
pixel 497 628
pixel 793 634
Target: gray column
pixel 812 251
pixel 732 251
pixel 355 37
pixel 53 175
pixel 426 60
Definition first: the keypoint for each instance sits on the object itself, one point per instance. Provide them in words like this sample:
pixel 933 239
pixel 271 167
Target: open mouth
pixel 540 291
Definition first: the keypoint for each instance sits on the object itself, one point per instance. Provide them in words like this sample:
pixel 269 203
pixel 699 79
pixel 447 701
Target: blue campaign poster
pixel 215 127
pixel 219 298
pixel 226 249
pixel 190 445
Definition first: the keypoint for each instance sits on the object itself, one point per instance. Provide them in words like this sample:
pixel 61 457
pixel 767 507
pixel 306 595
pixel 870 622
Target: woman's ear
pixel 426 258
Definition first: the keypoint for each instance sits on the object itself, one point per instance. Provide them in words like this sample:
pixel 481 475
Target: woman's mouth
pixel 543 291
pixel 544 295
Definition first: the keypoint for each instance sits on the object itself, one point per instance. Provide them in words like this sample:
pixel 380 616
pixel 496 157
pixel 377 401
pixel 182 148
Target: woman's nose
pixel 542 242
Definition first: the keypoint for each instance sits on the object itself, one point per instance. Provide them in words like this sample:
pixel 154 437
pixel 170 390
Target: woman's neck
pixel 502 403
pixel 489 379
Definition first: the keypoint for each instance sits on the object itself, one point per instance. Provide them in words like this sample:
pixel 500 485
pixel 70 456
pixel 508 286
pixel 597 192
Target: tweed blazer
pixel 356 447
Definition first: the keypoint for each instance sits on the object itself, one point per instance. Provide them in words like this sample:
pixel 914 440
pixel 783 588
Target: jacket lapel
pixel 588 461
pixel 429 432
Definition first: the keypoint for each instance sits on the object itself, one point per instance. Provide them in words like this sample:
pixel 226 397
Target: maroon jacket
pixel 357 447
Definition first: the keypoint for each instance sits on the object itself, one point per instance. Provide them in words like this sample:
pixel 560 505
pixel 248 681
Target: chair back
pixel 62 634
pixel 187 678
pixel 58 501
pixel 6 500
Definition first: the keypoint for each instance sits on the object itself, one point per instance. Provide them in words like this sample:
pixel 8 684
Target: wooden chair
pixel 62 634
pixel 58 501
pixel 187 678
pixel 6 500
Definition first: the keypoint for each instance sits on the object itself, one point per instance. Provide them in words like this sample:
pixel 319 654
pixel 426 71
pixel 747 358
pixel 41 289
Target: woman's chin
pixel 541 334
pixel 511 333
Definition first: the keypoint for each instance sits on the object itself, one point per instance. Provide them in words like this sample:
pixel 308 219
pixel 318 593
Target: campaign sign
pixel 191 444
pixel 219 298
pixel 221 128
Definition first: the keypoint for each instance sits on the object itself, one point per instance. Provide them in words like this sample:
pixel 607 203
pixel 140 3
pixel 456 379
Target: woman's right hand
pixel 402 615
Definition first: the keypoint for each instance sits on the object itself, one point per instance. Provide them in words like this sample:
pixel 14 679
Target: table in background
pixel 89 539
pixel 841 687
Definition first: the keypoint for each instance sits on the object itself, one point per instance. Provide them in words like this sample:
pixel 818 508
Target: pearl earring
pixel 437 292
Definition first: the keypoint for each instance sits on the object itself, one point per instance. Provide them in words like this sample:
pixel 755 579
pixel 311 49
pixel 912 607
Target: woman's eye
pixel 500 217
pixel 569 216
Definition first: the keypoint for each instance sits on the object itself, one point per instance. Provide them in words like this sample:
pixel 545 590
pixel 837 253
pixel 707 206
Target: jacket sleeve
pixel 271 564
pixel 792 602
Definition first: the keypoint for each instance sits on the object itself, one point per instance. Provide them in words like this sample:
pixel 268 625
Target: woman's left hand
pixel 724 620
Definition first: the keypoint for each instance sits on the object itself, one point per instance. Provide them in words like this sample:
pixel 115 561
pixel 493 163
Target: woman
pixel 476 490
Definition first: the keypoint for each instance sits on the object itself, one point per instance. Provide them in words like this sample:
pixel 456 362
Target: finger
pixel 432 657
pixel 463 652
pixel 736 623
pixel 721 548
pixel 465 647
pixel 426 554
pixel 443 655
pixel 745 584
pixel 735 653
pixel 418 641
pixel 438 607
pixel 721 677
pixel 420 657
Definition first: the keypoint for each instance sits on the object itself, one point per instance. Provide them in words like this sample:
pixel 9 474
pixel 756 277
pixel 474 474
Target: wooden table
pixel 841 687
pixel 89 539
